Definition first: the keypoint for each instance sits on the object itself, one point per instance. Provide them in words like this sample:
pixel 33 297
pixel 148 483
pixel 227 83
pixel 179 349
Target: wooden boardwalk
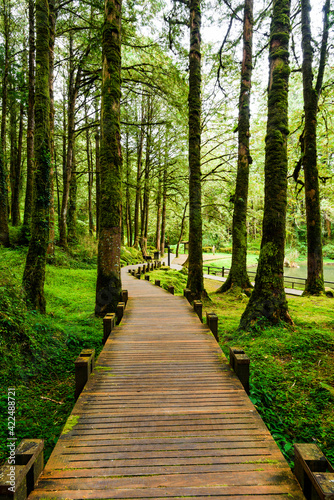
pixel 163 417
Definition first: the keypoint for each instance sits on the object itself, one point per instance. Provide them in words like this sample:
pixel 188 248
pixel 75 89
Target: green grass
pixel 224 259
pixel 38 352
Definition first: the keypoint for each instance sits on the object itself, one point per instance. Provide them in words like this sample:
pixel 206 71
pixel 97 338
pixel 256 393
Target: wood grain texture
pixel 163 416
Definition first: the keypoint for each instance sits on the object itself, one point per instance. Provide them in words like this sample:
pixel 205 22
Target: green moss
pixel 71 422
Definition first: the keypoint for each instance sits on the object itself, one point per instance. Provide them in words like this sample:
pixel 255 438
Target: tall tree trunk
pixel 52 15
pixel 72 205
pixel 13 148
pixel 73 89
pixel 146 191
pixel 97 178
pixel 127 193
pixel 140 140
pixel 109 286
pixel 195 275
pixel 69 152
pixel 158 228
pixel 4 229
pixel 25 232
pixel 164 199
pixel 315 278
pixel 268 298
pixel 34 272
pixel 15 210
pixel 238 277
pixel 182 229
pixel 89 184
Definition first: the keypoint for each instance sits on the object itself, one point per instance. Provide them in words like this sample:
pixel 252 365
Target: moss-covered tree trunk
pixel 4 229
pixel 108 286
pixel 164 198
pixel 315 279
pixel 34 272
pixel 140 142
pixel 25 231
pixel 52 24
pixel 158 225
pixel 195 275
pixel 16 157
pixel 268 299
pixel 97 177
pixel 72 206
pixel 128 216
pixel 238 277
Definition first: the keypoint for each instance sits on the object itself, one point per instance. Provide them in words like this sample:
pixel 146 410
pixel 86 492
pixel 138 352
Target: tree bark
pixel 34 272
pixel 97 178
pixel 164 199
pixel 195 275
pixel 52 15
pixel 109 286
pixel 140 141
pixel 238 276
pixel 127 192
pixel 13 147
pixel 158 229
pixel 17 156
pixel 315 278
pixel 72 205
pixel 25 231
pixel 182 229
pixel 268 299
pixel 4 229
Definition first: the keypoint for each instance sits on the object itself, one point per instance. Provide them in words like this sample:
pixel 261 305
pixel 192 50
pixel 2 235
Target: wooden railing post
pixel 171 289
pixel 239 361
pixel 198 308
pixel 147 277
pixel 310 469
pixel 212 322
pixel 157 283
pixel 187 294
pixel 119 312
pixel 108 325
pixel 19 475
pixel 125 296
pixel 84 365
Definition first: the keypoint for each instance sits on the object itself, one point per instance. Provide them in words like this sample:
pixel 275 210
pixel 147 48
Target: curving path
pixel 163 416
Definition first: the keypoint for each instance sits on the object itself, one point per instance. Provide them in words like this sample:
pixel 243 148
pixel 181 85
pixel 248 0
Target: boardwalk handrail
pixel 314 472
pixel 289 279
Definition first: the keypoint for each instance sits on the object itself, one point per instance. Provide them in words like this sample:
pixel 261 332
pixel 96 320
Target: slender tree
pixel 4 229
pixel 238 277
pixel 268 298
pixel 25 231
pixel 315 278
pixel 34 272
pixel 108 286
pixel 195 276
